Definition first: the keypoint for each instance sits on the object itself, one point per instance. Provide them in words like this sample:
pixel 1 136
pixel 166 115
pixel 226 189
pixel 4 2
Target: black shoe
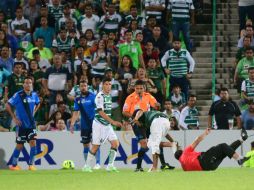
pixel 244 159
pixel 139 170
pixel 244 134
pixel 166 166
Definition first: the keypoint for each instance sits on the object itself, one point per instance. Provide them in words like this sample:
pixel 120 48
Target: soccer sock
pixel 112 156
pixel 32 155
pixel 15 157
pixel 85 153
pixel 236 144
pixel 162 159
pixel 90 158
pixel 98 156
pixel 141 154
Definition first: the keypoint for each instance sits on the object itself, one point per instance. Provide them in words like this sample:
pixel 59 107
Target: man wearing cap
pixel 116 94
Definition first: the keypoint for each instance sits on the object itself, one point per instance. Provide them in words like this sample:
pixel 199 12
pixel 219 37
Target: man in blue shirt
pixel 85 104
pixel 26 103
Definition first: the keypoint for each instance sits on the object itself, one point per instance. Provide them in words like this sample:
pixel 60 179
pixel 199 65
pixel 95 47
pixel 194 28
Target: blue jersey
pixel 24 105
pixel 86 106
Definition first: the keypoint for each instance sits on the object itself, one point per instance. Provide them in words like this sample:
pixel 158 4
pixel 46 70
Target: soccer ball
pixel 68 164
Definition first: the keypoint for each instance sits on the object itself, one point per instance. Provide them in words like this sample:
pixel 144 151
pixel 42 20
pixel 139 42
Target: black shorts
pixel 25 134
pixel 86 135
pixel 140 132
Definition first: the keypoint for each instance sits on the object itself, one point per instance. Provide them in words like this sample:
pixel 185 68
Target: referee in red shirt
pixel 191 160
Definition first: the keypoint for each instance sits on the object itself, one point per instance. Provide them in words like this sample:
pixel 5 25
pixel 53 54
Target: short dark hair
pixel 133 6
pixel 192 96
pixel 18 63
pixel 252 144
pixel 60 103
pixel 223 89
pixel 250 68
pixel 128 31
pixel 106 80
pixel 82 81
pixel 28 78
pixel 178 154
pixel 139 82
pixel 248 48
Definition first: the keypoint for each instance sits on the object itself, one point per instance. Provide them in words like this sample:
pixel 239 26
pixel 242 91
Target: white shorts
pixel 101 133
pixel 159 128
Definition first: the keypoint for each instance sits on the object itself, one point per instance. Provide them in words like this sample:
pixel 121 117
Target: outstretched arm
pixel 200 138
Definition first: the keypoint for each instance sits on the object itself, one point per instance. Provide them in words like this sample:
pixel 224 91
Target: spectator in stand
pixel 134 28
pixel 156 74
pixel 154 8
pixel 182 15
pixel 89 37
pixel 12 40
pixel 141 75
pixel 2 17
pixel 150 52
pixel 243 31
pixel 170 112
pixel 6 61
pixel 31 11
pixel 125 74
pixel 9 7
pixel 177 98
pixel 132 49
pixel 113 50
pixel 4 73
pixel 246 8
pixel 57 79
pixel 247 116
pixel 86 50
pixel 249 33
pixel 224 111
pixel 45 31
pixel 79 58
pixel 110 21
pixel 66 63
pixel 160 43
pixel 42 63
pixel 179 64
pixel 37 74
pixel 44 13
pixel 241 72
pixel 66 16
pixel 241 51
pixel 62 107
pixel 63 43
pixel 20 27
pixel 89 20
pixel 83 70
pixel 15 81
pixel 54 107
pixel 3 39
pixel 20 58
pixel 134 16
pixel 189 115
pixel 45 52
pixel 55 10
pixel 52 124
pixel 100 59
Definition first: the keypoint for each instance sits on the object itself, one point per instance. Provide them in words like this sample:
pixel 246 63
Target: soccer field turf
pixel 221 179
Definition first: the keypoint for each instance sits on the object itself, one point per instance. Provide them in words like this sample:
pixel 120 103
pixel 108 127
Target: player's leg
pixel 98 160
pixel 90 158
pixel 113 150
pixel 85 140
pixel 31 139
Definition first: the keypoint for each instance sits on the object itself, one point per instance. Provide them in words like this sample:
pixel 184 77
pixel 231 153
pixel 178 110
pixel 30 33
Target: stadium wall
pixel 55 147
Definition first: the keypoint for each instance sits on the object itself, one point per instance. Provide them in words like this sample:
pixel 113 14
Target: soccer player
pixel 250 163
pixel 102 129
pixel 191 160
pixel 84 104
pixel 159 126
pixel 26 103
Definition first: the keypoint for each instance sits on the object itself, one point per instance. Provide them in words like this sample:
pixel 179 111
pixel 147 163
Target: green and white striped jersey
pixel 141 21
pixel 103 102
pixel 180 10
pixel 100 67
pixel 156 13
pixel 248 87
pixel 63 45
pixel 189 117
pixel 56 12
pixel 111 24
pixel 177 62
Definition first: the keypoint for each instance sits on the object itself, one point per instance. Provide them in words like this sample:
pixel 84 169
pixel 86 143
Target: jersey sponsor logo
pixel 44 148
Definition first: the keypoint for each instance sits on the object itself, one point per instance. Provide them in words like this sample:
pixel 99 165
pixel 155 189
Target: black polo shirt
pixel 224 111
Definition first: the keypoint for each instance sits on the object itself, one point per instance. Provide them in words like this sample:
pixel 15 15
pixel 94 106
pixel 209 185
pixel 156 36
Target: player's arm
pixel 200 138
pixel 127 108
pixel 107 118
pixel 13 116
pixel 74 118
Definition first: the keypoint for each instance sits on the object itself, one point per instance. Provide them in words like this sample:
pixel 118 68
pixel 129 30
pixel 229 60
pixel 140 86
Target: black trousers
pixel 212 158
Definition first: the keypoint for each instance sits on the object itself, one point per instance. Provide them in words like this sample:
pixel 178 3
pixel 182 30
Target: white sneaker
pixel 153 170
pixel 112 169
pixel 87 169
pixel 97 167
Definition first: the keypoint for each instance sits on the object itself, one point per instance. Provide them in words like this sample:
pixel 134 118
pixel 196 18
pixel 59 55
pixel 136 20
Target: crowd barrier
pixel 55 147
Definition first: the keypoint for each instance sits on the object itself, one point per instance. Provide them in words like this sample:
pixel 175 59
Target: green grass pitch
pixel 221 179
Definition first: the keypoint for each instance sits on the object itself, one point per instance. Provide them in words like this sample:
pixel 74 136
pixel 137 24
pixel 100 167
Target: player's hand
pixel 17 121
pixel 72 129
pixel 117 124
pixel 207 131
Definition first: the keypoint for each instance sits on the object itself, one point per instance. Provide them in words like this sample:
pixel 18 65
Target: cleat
pixel 87 169
pixel 153 170
pixel 15 168
pixel 97 167
pixel 139 170
pixel 167 167
pixel 244 134
pixel 32 168
pixel 244 159
pixel 112 169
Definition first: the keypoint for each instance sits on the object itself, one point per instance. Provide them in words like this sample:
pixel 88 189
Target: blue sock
pixel 98 156
pixel 33 152
pixel 85 152
pixel 15 157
